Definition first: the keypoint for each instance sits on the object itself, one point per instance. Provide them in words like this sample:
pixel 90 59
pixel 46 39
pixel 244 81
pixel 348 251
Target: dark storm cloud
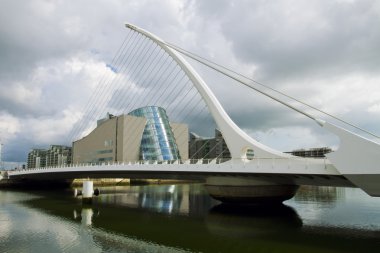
pixel 297 38
pixel 325 53
pixel 29 36
pixel 46 34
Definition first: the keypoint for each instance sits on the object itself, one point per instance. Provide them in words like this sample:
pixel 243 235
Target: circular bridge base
pixel 248 191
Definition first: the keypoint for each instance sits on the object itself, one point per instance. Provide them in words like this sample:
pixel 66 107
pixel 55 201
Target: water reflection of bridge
pixel 222 228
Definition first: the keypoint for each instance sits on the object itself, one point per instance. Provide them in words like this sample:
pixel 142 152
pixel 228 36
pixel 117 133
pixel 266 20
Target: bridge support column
pixel 87 191
pixel 249 190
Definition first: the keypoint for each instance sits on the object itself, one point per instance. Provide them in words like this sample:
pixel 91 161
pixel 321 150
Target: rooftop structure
pixel 208 148
pixel 313 152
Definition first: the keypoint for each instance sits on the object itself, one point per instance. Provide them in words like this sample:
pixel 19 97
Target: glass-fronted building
pixel 145 134
pixel 158 141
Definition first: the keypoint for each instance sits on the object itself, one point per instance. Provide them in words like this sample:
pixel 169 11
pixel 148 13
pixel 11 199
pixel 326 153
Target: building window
pixel 108 143
pixel 106 151
pixel 158 142
pixel 250 154
pixel 105 159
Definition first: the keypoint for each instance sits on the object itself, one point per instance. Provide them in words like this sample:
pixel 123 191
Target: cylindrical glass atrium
pixel 158 142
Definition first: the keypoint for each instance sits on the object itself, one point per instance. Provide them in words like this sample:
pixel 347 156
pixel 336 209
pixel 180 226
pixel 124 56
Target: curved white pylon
pixel 237 140
pixel 357 158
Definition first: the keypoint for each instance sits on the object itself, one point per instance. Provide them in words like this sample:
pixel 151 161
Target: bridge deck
pixel 302 171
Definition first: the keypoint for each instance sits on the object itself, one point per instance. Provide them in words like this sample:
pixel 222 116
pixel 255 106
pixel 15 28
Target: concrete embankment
pixel 3 181
pixel 7 183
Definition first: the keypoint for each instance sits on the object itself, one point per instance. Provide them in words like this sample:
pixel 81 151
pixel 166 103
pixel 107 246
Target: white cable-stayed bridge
pixel 148 71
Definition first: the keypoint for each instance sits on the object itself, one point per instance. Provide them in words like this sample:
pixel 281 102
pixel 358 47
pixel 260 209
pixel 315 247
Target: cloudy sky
pixel 326 53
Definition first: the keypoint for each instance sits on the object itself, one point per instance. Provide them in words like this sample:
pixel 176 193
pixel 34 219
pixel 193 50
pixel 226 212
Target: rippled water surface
pixel 182 218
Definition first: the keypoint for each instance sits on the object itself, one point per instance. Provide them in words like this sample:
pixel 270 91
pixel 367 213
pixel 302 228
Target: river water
pixel 183 218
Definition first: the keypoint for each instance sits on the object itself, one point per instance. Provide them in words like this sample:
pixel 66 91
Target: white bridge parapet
pixel 295 171
pixel 315 166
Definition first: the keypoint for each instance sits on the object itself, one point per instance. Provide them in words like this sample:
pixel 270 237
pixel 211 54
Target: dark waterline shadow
pixel 252 221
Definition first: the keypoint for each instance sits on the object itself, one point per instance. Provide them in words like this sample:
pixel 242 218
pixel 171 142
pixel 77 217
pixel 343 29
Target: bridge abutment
pixel 250 191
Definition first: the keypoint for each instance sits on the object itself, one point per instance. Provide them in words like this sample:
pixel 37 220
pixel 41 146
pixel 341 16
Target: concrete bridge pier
pixel 248 190
pixel 87 192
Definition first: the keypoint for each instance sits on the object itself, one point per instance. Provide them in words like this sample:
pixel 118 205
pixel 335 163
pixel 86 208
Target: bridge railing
pixel 274 162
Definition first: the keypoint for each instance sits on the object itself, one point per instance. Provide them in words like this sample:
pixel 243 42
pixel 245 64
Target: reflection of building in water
pixel 208 148
pixel 323 194
pixel 174 199
pixel 165 199
pixel 124 197
pixel 160 198
pixel 200 201
pixel 143 134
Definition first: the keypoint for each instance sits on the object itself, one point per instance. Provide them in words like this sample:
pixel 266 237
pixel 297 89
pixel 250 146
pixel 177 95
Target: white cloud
pixel 375 108
pixel 9 126
pixel 20 93
pixel 291 138
pixel 51 130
